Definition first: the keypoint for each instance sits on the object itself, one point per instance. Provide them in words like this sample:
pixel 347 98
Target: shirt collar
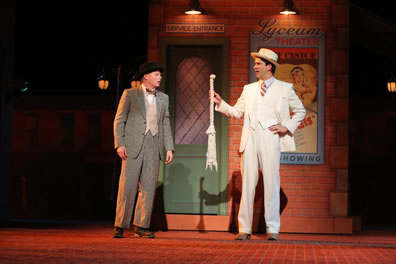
pixel 268 82
pixel 145 91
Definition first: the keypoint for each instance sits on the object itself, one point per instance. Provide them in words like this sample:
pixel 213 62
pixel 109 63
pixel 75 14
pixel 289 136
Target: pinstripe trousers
pixel 139 176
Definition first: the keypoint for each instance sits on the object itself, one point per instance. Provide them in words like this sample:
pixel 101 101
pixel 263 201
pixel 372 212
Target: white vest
pixel 262 113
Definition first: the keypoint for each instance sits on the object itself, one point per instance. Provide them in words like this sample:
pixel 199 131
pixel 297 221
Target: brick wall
pixel 312 191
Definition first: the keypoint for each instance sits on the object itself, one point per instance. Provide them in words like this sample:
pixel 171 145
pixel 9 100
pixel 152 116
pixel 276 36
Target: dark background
pixel 372 117
pixel 62 47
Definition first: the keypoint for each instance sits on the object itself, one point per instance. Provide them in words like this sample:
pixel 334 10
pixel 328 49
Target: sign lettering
pixel 268 31
pixel 195 28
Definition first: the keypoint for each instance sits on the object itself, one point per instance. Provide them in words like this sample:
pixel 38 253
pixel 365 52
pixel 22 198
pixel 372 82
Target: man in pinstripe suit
pixel 141 132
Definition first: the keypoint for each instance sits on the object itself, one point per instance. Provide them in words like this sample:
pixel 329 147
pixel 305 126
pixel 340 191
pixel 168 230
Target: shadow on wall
pixel 234 194
pixel 176 185
pixel 258 213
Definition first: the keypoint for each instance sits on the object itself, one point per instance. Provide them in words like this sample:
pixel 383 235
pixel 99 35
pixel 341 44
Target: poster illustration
pixel 301 57
pixel 299 66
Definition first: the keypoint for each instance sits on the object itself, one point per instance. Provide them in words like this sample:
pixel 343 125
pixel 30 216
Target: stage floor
pixel 91 242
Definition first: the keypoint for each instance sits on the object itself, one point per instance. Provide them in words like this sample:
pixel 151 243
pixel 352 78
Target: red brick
pixel 340 15
pixel 342 133
pixel 340 61
pixel 342 85
pixel 339 157
pixel 339 203
pixel 340 109
pixel 156 14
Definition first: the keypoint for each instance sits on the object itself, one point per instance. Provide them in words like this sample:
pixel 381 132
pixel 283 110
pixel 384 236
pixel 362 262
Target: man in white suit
pixel 267 131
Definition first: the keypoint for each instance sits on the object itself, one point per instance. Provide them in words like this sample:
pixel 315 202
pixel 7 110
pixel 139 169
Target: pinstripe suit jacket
pixel 130 122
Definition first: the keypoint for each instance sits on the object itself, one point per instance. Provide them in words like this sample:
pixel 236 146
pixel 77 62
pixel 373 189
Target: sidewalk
pixel 92 243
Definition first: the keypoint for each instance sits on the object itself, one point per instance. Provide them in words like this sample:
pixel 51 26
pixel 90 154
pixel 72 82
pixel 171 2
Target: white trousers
pixel 262 150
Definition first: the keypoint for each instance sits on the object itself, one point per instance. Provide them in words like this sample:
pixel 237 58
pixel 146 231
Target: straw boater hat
pixel 268 55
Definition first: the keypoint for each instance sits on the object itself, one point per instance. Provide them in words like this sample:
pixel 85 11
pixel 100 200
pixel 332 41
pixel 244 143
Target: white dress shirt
pixel 149 96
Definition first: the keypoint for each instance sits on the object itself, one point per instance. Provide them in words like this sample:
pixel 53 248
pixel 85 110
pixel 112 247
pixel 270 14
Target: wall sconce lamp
pixel 193 8
pixel 103 82
pixel 288 8
pixel 392 83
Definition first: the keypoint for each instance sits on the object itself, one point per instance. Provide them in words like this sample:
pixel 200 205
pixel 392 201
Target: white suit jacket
pixel 279 100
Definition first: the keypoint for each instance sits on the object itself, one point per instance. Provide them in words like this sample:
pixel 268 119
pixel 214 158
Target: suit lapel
pixel 252 98
pixel 140 99
pixel 274 93
pixel 159 102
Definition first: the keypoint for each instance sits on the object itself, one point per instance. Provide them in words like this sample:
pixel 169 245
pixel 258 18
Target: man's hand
pixel 217 98
pixel 169 156
pixel 121 151
pixel 279 129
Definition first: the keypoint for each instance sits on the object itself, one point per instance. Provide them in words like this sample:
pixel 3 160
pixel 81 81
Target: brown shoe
pixel 117 232
pixel 143 232
pixel 272 236
pixel 242 236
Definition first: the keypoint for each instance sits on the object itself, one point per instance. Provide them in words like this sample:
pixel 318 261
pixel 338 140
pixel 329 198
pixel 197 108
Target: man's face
pixel 153 79
pixel 298 79
pixel 261 69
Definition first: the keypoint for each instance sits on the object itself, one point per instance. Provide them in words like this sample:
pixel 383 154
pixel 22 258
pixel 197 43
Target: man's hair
pixel 296 69
pixel 273 68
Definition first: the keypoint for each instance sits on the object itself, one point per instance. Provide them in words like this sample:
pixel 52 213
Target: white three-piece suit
pixel 261 147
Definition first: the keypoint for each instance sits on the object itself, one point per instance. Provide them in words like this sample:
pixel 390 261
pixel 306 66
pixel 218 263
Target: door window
pixel 192 104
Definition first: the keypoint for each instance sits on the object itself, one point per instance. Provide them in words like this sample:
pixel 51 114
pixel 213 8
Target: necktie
pixel 263 89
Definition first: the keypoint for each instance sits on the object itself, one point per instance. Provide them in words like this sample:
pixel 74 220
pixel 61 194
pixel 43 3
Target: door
pixel 188 187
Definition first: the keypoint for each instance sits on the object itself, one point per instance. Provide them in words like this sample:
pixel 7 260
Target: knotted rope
pixel 211 153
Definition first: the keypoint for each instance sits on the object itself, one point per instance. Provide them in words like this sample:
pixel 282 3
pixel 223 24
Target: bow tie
pixel 154 91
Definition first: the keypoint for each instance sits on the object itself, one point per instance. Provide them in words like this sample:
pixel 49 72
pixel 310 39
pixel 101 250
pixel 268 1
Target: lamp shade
pixel 288 8
pixel 286 11
pixel 193 8
pixel 392 84
pixel 193 12
pixel 103 84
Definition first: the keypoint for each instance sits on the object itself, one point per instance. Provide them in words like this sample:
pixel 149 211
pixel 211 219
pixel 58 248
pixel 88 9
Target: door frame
pixel 222 161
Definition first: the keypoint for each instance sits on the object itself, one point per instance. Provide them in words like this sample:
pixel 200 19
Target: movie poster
pixel 300 67
pixel 301 57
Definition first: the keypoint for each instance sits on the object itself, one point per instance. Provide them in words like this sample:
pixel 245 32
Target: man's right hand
pixel 217 98
pixel 121 151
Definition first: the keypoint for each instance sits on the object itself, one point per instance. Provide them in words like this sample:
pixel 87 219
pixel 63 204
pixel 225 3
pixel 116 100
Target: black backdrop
pixel 62 46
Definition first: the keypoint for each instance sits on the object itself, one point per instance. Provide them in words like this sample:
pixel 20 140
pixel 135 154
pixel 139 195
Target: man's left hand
pixel 279 129
pixel 169 156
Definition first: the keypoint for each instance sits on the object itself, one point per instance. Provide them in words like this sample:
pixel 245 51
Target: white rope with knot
pixel 211 153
